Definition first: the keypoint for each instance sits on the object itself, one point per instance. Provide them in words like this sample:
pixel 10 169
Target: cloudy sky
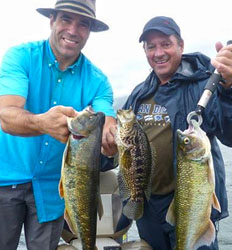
pixel 117 51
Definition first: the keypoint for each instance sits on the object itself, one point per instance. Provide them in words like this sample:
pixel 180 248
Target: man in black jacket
pixel 162 103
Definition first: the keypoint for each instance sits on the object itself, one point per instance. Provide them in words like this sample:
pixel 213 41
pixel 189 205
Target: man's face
pixel 69 33
pixel 163 54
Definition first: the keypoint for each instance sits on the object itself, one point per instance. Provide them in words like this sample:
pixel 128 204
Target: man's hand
pixel 54 122
pixel 109 147
pixel 223 62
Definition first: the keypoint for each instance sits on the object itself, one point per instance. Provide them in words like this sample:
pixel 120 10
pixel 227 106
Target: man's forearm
pixel 17 121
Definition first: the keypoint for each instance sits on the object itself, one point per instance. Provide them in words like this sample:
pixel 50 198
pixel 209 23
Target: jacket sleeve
pixel 219 115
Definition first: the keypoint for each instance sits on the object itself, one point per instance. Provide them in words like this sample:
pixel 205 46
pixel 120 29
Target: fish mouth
pixel 74 133
pixel 189 130
pixel 77 136
pixel 180 133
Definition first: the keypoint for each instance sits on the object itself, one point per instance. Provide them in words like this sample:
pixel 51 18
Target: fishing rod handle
pixel 215 77
pixel 210 87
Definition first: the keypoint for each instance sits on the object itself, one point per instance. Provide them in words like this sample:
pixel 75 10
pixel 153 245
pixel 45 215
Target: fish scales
pixel 135 163
pixel 79 183
pixel 195 190
pixel 135 174
pixel 198 199
pixel 86 182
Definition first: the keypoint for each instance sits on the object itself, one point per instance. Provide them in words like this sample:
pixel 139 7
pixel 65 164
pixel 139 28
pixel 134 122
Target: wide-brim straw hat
pixel 81 7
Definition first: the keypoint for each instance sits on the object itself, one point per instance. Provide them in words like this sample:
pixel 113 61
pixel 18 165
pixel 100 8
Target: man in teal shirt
pixel 41 84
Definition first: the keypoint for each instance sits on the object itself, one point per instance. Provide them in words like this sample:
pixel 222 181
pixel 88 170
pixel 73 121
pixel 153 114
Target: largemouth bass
pixel 79 184
pixel 195 190
pixel 135 163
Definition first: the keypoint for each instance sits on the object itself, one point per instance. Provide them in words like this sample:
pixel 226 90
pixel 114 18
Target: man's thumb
pixel 218 46
pixel 70 112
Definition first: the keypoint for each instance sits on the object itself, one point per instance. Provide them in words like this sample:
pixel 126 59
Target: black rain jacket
pixel 180 96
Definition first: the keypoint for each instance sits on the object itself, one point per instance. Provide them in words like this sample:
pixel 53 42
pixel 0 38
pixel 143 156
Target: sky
pixel 117 51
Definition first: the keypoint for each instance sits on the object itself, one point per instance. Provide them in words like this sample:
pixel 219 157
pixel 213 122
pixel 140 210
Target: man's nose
pixel 159 51
pixel 73 28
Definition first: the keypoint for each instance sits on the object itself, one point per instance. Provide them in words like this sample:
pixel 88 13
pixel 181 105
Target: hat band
pixel 72 5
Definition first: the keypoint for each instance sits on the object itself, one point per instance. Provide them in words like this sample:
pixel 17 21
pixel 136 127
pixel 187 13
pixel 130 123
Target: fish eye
pixel 186 140
pixel 135 125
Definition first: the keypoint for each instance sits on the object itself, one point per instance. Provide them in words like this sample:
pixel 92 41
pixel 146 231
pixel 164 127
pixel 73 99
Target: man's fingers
pixel 109 147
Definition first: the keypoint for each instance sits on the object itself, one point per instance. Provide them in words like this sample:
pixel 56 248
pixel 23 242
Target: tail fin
pixel 133 210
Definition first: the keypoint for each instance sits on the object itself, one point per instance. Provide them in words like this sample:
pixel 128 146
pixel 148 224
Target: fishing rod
pixel 209 89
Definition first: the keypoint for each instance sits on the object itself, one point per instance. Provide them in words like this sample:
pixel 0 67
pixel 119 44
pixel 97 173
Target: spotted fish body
pixel 135 163
pixel 195 190
pixel 79 184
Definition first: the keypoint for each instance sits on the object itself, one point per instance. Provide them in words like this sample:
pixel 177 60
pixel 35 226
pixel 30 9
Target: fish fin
pixel 123 189
pixel 170 216
pixel 147 193
pixel 211 177
pixel 65 152
pixel 100 208
pixel 152 171
pixel 216 203
pixel 207 238
pixel 60 187
pixel 69 222
pixel 133 210
pixel 61 190
pixel 211 174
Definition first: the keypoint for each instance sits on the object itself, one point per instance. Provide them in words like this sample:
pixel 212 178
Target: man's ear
pixel 182 45
pixel 144 45
pixel 52 20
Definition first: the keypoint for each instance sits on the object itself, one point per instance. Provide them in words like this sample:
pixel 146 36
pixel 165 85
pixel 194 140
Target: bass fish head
pixel 85 122
pixel 193 143
pixel 126 118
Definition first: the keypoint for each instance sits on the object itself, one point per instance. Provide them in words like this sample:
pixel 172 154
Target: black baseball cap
pixel 161 23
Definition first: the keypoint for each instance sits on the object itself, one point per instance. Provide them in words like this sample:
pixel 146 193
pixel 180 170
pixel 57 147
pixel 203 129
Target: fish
pixel 79 182
pixel 135 159
pixel 194 195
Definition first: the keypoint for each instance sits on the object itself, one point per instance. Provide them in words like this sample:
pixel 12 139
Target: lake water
pixel 225 227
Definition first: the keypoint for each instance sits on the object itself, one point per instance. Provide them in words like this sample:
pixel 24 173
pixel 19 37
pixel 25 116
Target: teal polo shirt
pixel 31 71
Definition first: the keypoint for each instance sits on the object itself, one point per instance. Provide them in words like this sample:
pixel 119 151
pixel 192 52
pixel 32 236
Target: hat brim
pixel 164 30
pixel 96 24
